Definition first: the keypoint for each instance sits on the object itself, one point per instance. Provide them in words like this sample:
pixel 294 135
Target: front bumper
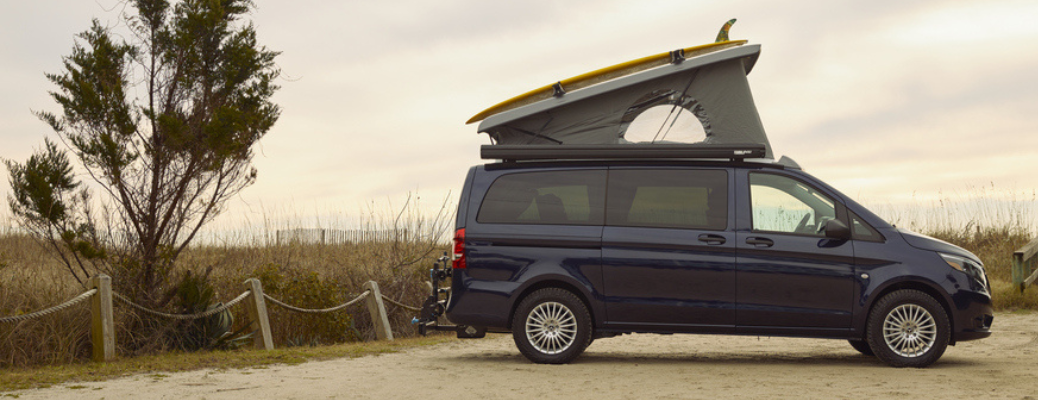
pixel 974 318
pixel 981 328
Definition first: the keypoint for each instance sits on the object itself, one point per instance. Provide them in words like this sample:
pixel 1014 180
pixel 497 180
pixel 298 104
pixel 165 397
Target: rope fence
pixel 183 317
pixel 76 300
pixel 362 296
pixel 103 328
pixel 401 305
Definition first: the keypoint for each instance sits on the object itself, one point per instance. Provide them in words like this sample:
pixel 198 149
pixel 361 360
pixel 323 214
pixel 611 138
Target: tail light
pixel 459 250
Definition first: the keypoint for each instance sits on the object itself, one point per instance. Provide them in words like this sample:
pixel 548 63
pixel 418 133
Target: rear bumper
pixel 479 303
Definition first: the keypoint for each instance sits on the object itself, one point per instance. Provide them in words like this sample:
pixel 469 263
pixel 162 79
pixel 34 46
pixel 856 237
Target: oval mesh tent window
pixel 664 124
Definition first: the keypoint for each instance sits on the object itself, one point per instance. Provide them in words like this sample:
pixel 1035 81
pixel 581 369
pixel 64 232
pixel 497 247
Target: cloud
pixel 881 98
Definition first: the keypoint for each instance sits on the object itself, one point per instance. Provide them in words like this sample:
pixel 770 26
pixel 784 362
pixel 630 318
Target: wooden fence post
pixel 258 315
pixel 102 325
pixel 1018 270
pixel 378 312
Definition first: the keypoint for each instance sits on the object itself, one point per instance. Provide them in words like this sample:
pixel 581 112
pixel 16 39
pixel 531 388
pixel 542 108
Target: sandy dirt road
pixel 629 367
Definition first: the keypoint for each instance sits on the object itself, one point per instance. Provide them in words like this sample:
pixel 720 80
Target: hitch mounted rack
pixel 433 308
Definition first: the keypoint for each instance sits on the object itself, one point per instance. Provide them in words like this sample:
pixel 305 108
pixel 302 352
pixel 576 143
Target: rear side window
pixel 548 198
pixel 690 199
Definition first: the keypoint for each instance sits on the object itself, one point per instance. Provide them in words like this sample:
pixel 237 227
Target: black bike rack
pixel 433 308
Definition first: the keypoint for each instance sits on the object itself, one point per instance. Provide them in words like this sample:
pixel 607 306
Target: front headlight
pixel 970 267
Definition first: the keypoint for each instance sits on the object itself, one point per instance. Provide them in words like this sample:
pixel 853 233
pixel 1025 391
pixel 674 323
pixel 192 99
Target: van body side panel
pixel 658 273
pixel 499 269
pixel 799 282
pixel 667 278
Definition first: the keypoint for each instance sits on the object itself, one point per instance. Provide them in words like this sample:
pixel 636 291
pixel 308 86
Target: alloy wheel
pixel 551 327
pixel 909 330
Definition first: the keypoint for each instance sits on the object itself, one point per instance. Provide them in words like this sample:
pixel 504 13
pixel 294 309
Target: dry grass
pixel 30 281
pixel 320 276
pixel 305 275
pixel 323 275
pixel 990 222
pixel 301 274
pixel 982 208
pixel 995 247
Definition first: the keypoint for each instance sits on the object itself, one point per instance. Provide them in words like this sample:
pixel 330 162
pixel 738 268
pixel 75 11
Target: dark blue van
pixel 586 230
pixel 567 248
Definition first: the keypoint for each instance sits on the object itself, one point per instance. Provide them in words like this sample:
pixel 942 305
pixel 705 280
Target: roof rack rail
pixel 510 153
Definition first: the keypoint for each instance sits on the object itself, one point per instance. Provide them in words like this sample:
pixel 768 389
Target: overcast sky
pixel 888 101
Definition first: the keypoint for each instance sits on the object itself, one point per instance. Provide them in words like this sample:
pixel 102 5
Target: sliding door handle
pixel 711 239
pixel 760 242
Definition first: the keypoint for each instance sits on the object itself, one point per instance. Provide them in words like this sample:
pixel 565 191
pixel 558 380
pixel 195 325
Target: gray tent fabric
pixel 713 87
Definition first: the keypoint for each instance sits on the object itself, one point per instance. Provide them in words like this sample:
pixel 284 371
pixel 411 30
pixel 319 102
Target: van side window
pixel 696 199
pixel 546 198
pixel 781 204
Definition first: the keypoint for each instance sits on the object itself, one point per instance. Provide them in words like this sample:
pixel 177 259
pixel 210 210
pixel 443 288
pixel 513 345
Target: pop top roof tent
pixel 712 87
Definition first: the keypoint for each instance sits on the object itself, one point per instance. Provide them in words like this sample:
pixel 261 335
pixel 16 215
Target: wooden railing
pixel 1023 261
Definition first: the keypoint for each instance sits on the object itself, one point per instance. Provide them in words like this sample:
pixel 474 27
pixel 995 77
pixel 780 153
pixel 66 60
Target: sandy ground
pixel 629 367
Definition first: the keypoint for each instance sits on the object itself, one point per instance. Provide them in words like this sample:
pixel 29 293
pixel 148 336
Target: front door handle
pixel 711 239
pixel 760 242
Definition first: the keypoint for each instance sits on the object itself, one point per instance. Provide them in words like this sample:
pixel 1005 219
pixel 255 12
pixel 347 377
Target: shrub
pixel 306 289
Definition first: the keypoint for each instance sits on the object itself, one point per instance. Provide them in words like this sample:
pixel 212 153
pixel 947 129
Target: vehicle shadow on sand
pixel 591 357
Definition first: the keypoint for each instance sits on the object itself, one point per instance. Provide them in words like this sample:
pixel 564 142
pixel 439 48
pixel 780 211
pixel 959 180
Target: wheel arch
pixel 931 291
pixel 551 282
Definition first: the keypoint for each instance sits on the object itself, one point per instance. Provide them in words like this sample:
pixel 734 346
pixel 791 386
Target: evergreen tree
pixel 163 121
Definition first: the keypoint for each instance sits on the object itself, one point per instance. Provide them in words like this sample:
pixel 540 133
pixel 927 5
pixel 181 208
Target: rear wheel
pixel 551 326
pixel 908 328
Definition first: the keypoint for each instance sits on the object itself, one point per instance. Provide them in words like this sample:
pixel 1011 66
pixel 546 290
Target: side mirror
pixel 834 229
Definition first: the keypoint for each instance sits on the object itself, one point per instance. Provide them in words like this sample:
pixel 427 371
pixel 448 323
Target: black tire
pixel 551 326
pixel 862 347
pixel 918 326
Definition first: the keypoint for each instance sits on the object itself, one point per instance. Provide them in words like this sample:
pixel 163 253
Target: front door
pixel 789 274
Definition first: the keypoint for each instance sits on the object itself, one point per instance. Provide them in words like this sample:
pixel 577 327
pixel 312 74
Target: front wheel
pixel 551 326
pixel 908 328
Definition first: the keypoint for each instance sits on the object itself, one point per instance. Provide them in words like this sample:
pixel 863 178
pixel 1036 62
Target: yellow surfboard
pixel 601 75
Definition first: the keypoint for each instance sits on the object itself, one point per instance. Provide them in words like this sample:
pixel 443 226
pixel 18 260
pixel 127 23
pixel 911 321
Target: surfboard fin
pixel 722 36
